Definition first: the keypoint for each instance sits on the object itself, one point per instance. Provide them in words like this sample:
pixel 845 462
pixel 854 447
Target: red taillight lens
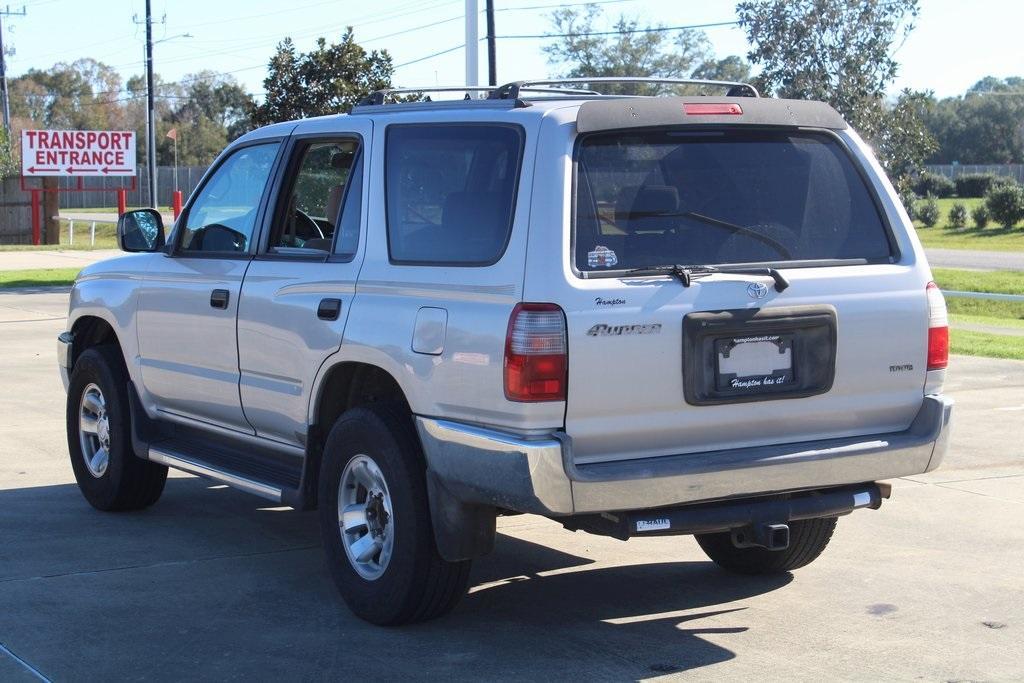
pixel 938 329
pixel 712 108
pixel 536 359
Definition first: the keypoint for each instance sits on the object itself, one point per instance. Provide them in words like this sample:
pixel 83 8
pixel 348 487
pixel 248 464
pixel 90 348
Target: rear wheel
pixel 108 473
pixel 375 521
pixel 807 540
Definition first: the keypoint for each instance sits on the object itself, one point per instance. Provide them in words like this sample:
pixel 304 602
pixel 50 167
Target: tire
pixel 807 540
pixel 120 480
pixel 406 581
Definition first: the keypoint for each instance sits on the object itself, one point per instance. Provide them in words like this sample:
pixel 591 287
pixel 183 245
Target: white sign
pixel 77 153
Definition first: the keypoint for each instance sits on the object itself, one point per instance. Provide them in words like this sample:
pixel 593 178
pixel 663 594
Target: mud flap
pixel 462 531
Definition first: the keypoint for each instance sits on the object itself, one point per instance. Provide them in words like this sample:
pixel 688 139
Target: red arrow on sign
pixel 72 170
pixel 107 169
pixel 33 169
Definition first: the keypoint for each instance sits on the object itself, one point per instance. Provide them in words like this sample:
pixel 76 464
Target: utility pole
pixel 150 106
pixel 492 66
pixel 472 42
pixel 3 70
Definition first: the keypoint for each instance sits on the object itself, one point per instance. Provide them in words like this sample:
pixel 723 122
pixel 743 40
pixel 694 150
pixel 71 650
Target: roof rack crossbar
pixel 512 90
pixel 381 96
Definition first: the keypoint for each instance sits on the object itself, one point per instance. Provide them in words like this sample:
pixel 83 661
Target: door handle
pixel 329 309
pixel 219 298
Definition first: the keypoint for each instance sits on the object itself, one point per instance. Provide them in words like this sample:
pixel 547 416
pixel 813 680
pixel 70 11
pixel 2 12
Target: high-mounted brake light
pixel 536 357
pixel 712 108
pixel 938 329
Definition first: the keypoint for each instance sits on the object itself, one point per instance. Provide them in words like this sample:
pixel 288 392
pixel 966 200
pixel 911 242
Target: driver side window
pixel 223 216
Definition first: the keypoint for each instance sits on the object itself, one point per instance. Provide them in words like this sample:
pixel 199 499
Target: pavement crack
pixel 32 320
pixel 170 563
pixel 25 665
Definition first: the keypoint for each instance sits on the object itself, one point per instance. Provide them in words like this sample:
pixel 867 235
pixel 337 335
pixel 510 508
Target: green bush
pixel 934 184
pixel 1005 203
pixel 980 216
pixel 908 199
pixel 957 216
pixel 927 211
pixel 977 184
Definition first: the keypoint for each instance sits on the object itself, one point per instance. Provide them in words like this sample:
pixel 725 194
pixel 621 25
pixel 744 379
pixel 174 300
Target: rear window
pixel 720 197
pixel 450 192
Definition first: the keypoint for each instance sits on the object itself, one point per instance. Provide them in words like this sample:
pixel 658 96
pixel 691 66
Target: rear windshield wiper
pixel 687 274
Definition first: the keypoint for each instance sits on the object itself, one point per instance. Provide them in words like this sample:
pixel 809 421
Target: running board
pixel 237 481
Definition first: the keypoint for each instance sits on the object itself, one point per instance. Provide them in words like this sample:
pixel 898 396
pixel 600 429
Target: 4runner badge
pixel 602 330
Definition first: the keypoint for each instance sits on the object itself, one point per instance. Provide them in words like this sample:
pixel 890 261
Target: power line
pixel 430 56
pixel 651 29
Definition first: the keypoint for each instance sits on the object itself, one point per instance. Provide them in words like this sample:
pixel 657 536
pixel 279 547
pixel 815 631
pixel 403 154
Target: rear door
pixel 657 368
pixel 299 288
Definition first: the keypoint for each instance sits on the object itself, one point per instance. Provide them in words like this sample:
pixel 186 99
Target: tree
pixel 633 50
pixel 78 95
pixel 839 51
pixel 985 126
pixel 327 80
pixel 208 110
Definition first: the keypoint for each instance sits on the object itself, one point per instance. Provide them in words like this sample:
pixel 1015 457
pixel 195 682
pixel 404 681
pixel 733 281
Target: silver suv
pixel 637 316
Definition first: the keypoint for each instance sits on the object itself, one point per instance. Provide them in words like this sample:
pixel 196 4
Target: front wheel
pixel 807 540
pixel 375 521
pixel 108 473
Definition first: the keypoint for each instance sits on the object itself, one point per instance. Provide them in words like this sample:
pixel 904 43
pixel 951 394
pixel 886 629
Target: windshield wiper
pixel 687 274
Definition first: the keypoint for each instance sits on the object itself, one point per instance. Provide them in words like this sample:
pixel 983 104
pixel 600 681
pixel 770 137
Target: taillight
pixel 938 329
pixel 712 108
pixel 536 358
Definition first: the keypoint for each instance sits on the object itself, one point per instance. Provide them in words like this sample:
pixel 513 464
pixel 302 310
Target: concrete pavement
pixel 212 584
pixel 53 258
pixel 975 260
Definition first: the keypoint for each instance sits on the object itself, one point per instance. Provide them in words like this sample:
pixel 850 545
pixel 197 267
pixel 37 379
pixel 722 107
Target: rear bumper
pixel 488 467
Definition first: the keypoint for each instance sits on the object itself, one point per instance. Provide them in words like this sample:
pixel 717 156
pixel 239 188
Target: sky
pixel 954 44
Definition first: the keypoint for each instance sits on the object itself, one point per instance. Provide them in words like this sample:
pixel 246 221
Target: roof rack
pixel 515 89
pixel 381 96
pixel 512 90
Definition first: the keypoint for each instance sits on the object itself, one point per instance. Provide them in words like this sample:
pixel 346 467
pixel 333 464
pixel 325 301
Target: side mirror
pixel 140 230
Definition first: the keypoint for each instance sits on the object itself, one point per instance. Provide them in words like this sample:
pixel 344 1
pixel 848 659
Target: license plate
pixel 754 364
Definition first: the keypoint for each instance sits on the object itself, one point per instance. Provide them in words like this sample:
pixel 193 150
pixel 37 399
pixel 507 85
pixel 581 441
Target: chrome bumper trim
pixel 65 340
pixel 490 467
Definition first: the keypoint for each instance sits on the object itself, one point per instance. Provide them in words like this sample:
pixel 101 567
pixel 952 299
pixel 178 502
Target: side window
pixel 312 207
pixel 223 216
pixel 450 192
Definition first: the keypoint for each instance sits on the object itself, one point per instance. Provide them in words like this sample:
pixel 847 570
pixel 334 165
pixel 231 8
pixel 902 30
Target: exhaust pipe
pixel 768 536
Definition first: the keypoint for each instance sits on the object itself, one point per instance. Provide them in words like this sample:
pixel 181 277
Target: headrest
pixel 656 199
pixel 341 159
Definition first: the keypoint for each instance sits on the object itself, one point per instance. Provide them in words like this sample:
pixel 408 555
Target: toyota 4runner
pixel 635 315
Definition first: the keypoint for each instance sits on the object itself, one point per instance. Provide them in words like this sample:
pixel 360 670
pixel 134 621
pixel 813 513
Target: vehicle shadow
pixel 242 589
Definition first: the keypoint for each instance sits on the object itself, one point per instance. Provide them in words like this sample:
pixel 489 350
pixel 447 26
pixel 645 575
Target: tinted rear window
pixel 717 197
pixel 450 192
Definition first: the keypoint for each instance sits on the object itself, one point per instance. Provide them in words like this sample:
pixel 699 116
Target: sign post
pixel 75 154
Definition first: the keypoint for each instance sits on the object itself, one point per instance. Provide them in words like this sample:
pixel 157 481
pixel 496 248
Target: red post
pixel 177 204
pixel 36 222
pixel 122 201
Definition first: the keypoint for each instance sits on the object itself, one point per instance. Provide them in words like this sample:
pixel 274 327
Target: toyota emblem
pixel 757 290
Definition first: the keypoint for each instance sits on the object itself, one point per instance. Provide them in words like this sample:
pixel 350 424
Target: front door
pixel 189 301
pixel 299 288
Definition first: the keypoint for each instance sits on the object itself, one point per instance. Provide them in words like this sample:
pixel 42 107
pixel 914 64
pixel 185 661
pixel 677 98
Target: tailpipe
pixel 768 536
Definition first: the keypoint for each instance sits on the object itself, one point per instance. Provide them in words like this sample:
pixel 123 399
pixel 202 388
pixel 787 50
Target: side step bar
pixel 237 481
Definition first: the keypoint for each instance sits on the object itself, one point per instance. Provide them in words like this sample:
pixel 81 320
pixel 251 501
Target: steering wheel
pixel 305 227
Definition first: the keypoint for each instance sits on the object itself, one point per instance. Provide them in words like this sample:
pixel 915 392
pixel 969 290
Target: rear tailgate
pixel 627 384
pixel 657 368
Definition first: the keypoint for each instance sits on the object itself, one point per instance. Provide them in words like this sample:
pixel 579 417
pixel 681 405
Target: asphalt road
pixel 210 584
pixel 975 260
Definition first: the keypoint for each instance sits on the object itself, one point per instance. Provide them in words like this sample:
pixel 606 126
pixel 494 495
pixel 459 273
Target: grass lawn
pixel 106 238
pixel 45 277
pixel 1007 314
pixel 992 238
pixel 972 343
